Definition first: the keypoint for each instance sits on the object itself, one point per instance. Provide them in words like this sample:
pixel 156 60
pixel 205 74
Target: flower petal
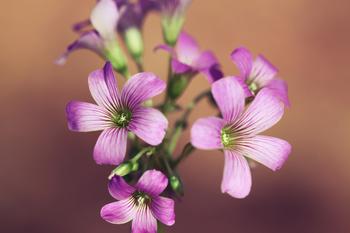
pixel 88 40
pixel 166 48
pixel 187 49
pixel 163 209
pixel 104 17
pixel 152 182
pixel 110 147
pixel 265 111
pixel 119 189
pixel 237 180
pixel 280 89
pixel 179 68
pixel 80 26
pixel 229 96
pixel 214 73
pixel 243 60
pixel 103 88
pixel 206 133
pixel 86 117
pixel 149 124
pixel 206 60
pixel 144 221
pixel 269 151
pixel 245 87
pixel 141 87
pixel 119 212
pixel 262 72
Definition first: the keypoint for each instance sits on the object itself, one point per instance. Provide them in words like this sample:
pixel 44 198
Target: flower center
pixel 141 198
pixel 122 118
pixel 253 87
pixel 227 138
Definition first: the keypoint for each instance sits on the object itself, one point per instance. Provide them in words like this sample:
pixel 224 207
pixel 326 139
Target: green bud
pixel 176 184
pixel 171 28
pixel 134 42
pixel 177 86
pixel 124 169
pixel 117 58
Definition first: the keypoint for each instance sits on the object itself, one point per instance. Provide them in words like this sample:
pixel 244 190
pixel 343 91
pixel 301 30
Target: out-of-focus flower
pixel 141 204
pixel 118 113
pixel 258 74
pixel 187 58
pixel 237 133
pixel 102 39
pixel 173 18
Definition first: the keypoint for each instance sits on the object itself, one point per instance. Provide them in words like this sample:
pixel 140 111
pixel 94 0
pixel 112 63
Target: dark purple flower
pixel 118 113
pixel 187 58
pixel 140 204
pixel 258 74
pixel 236 133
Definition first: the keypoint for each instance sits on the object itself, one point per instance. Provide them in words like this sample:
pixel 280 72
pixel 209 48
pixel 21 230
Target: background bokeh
pixel 50 183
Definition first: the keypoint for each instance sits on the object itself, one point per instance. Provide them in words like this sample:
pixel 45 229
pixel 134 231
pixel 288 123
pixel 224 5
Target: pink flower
pixel 118 113
pixel 258 74
pixel 188 58
pixel 141 204
pixel 237 133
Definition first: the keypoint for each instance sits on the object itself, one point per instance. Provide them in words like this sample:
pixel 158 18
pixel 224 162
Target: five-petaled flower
pixel 258 74
pixel 237 133
pixel 118 113
pixel 188 59
pixel 141 204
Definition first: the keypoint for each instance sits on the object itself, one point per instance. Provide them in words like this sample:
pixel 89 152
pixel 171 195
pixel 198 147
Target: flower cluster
pixel 136 138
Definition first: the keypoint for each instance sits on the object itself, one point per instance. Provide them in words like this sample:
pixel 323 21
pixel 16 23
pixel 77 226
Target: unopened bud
pixel 176 184
pixel 124 169
pixel 134 42
pixel 171 29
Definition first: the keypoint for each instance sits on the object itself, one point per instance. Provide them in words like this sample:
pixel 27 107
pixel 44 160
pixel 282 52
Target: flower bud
pixel 172 28
pixel 134 42
pixel 116 56
pixel 177 86
pixel 176 184
pixel 124 169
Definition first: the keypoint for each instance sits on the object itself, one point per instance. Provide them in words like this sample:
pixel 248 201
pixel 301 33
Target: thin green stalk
pixel 187 150
pixel 181 124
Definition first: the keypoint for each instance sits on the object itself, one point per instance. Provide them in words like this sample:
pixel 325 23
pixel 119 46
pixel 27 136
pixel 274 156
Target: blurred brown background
pixel 50 184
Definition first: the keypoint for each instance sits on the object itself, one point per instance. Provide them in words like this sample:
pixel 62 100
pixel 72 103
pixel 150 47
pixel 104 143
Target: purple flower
pixel 141 204
pixel 236 134
pixel 118 113
pixel 187 58
pixel 104 18
pixel 258 74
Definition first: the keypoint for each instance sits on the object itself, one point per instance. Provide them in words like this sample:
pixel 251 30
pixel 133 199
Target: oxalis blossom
pixel 118 113
pixel 141 203
pixel 258 74
pixel 236 134
pixel 188 59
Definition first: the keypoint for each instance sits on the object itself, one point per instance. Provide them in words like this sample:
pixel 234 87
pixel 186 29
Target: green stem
pixel 181 124
pixel 139 65
pixel 187 150
pixel 146 150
